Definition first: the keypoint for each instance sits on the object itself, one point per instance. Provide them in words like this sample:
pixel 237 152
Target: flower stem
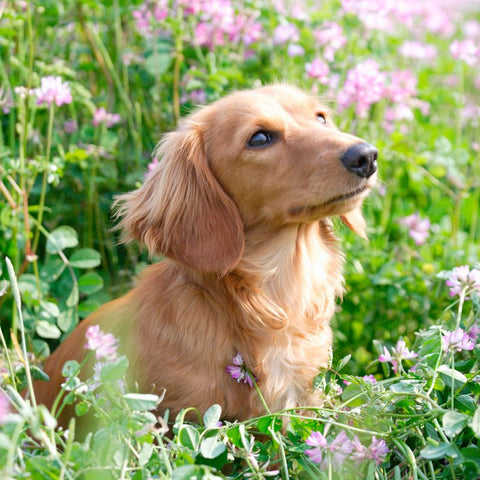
pixel 43 191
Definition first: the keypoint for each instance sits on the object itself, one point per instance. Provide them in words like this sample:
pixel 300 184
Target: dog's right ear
pixel 181 211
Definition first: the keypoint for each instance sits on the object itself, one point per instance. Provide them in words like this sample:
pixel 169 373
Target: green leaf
pixel 142 401
pixel 111 372
pixel 90 283
pixel 81 408
pixel 432 452
pixel 47 330
pixel 212 448
pixel 454 422
pixel 475 423
pixel 158 63
pixel 341 364
pixel 67 320
pixel 264 424
pixel 61 238
pixel 71 368
pixel 452 377
pixel 212 416
pixel 189 437
pixel 188 472
pixel 85 258
pixel 72 299
pixel 145 454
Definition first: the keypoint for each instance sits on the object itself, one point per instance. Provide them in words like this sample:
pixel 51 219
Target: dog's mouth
pixel 307 210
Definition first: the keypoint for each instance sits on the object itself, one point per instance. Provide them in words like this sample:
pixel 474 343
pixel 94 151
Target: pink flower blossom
pixel 284 33
pixel 70 126
pixel 456 341
pixel 238 371
pixel 103 344
pixel 4 407
pixel 52 89
pixel 364 86
pixel 151 167
pixel 465 50
pixel 417 50
pixel 319 70
pixel 102 116
pixel 317 440
pixel 419 228
pixel 378 450
pixel 340 448
pixel 463 278
pixel 330 36
pixel 399 353
pixel 403 86
pixel 474 332
pixel 294 50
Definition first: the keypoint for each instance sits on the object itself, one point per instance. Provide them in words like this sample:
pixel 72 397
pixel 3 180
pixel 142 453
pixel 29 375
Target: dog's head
pixel 265 157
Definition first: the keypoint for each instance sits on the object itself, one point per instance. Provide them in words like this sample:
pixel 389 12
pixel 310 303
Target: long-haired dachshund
pixel 240 205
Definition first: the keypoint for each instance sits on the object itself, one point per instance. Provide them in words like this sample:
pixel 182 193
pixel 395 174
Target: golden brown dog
pixel 240 205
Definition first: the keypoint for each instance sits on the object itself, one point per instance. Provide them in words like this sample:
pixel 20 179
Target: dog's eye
pixel 260 139
pixel 321 118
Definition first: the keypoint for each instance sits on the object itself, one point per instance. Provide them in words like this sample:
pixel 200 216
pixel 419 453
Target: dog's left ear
pixel 354 221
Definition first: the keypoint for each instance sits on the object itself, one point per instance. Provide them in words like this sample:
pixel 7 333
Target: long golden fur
pixel 252 262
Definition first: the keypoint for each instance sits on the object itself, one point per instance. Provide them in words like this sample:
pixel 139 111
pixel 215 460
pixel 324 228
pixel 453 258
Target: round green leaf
pixel 85 258
pixel 212 416
pixel 47 330
pixel 90 283
pixel 454 422
pixel 142 401
pixel 61 238
pixel 212 448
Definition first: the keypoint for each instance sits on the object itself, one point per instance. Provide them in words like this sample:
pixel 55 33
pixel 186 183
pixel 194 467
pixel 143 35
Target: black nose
pixel 361 159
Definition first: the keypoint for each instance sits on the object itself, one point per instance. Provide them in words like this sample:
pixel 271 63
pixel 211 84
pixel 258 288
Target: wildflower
pixel 317 440
pixel 238 371
pixel 456 341
pixel 462 278
pixel 4 407
pixel 330 36
pixel 340 448
pixel 294 50
pixel 418 227
pixel 473 333
pixel 364 86
pixel 52 89
pixel 102 116
pixel 465 50
pixel 399 353
pixel 103 344
pixel 70 126
pixel 319 70
pixel 403 86
pixel 369 379
pixel 285 33
pixel 417 50
pixel 378 450
pixel 151 167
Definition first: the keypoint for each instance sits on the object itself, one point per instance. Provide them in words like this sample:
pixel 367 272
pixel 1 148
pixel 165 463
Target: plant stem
pixel 16 296
pixel 43 191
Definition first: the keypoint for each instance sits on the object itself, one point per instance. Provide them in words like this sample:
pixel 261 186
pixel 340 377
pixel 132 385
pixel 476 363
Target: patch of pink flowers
pixel 102 116
pixel 418 227
pixel 318 70
pixel 238 371
pixel 417 50
pixel 284 33
pixel 53 90
pixel 457 341
pixel 462 278
pixel 466 50
pixel 104 345
pixel 342 448
pixel 330 36
pixel 363 87
pixel 397 355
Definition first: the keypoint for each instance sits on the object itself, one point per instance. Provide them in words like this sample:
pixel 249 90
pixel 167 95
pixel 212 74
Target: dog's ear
pixel 181 211
pixel 354 221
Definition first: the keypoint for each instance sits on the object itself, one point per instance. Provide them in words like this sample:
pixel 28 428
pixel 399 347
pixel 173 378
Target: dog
pixel 241 207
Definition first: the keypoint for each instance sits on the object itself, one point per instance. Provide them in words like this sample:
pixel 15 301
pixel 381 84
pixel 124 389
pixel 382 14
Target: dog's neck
pixel 291 276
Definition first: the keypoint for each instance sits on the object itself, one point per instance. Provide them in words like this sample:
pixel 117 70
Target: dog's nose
pixel 360 159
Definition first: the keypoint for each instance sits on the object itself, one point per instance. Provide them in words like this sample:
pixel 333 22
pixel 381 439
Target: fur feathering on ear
pixel 181 211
